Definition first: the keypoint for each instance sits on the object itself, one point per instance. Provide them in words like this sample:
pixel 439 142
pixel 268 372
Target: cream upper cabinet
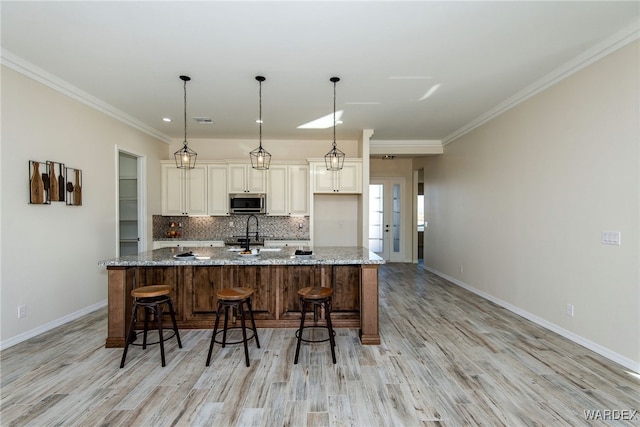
pixel 288 190
pixel 184 191
pixel 277 191
pixel 298 189
pixel 347 180
pixel 245 179
pixel 217 191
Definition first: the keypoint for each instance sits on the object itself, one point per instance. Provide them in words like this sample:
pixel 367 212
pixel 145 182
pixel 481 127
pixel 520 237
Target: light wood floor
pixel 447 358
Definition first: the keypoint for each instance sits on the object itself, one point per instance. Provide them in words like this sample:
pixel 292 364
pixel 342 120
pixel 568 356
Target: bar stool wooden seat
pixel 317 297
pixel 152 298
pixel 235 298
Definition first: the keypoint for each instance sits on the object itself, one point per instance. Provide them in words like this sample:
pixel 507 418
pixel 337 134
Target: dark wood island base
pixel 275 302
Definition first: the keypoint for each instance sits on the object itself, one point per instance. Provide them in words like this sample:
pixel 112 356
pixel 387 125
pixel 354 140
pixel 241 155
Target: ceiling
pixel 390 55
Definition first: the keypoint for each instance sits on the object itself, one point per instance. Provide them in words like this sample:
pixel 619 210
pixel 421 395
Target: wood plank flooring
pixel 447 358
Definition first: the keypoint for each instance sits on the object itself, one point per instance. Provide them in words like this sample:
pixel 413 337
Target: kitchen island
pixel 275 274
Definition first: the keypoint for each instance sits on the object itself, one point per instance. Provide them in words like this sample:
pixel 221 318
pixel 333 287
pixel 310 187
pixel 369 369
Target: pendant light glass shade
pixel 185 157
pixel 260 158
pixel 334 159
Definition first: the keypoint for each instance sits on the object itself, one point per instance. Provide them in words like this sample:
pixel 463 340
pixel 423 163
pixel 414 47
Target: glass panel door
pixel 376 219
pixel 385 218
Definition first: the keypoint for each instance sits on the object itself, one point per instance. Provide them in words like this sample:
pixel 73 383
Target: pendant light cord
pixel 334 114
pixel 260 112
pixel 185 112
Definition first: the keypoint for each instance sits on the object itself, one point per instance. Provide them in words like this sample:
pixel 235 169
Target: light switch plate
pixel 611 238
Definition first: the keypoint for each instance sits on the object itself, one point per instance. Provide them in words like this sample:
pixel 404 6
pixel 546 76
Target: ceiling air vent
pixel 204 120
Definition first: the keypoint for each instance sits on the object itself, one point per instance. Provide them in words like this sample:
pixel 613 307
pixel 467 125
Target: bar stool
pixel 234 298
pixel 151 298
pixel 317 297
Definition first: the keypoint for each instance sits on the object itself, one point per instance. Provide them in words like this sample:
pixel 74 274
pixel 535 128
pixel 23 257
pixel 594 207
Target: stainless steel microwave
pixel 247 203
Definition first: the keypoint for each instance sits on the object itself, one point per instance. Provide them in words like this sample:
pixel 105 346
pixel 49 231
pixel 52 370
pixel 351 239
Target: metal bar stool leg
pixel 215 331
pixel 175 324
pixel 147 312
pixel 226 322
pixel 128 337
pixel 158 310
pixel 327 309
pixel 304 313
pixel 244 334
pixel 253 323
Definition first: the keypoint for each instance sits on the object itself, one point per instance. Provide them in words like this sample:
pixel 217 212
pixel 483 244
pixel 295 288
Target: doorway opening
pixel 131 219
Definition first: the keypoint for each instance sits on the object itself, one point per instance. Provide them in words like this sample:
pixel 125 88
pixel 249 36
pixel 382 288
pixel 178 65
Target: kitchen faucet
pixel 247 236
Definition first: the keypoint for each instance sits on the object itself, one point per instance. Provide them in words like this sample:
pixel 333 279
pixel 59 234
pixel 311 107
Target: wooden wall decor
pixel 55 191
pixel 38 183
pixel 73 186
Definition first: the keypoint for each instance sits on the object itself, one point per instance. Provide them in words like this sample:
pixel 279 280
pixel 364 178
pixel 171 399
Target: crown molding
pixel 36 73
pixel 588 57
pixel 405 147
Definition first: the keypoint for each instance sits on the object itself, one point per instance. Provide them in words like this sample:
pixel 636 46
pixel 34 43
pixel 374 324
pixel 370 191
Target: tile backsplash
pixel 220 227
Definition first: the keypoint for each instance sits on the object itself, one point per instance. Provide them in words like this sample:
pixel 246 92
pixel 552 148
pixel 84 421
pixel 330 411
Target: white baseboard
pixel 48 326
pixel 603 351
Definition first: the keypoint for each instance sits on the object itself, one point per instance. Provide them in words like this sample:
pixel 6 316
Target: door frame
pixel 141 170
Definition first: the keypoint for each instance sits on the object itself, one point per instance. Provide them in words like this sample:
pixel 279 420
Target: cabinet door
pixel 245 179
pixel 218 195
pixel 323 179
pixel 350 178
pixel 237 179
pixel 298 189
pixel 256 180
pixel 172 190
pixel 158 244
pixel 277 192
pixel 196 191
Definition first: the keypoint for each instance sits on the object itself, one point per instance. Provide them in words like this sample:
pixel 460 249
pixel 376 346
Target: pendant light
pixel 334 159
pixel 260 158
pixel 185 157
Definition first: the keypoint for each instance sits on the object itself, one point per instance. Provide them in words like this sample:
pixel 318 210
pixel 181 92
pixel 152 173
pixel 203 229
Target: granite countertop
pixel 268 256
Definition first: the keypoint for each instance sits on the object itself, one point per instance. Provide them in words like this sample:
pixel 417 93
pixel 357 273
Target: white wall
pixel 49 254
pixel 520 203
pixel 335 220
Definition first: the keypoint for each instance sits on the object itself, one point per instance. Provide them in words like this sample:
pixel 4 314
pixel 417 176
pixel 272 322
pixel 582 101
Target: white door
pixel 385 218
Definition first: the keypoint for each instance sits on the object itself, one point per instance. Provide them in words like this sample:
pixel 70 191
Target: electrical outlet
pixel 22 311
pixel 461 270
pixel 570 310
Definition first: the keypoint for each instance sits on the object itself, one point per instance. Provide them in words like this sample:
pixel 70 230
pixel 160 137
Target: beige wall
pixel 516 208
pixel 49 254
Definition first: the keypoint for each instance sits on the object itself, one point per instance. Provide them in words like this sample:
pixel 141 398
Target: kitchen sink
pixel 260 249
